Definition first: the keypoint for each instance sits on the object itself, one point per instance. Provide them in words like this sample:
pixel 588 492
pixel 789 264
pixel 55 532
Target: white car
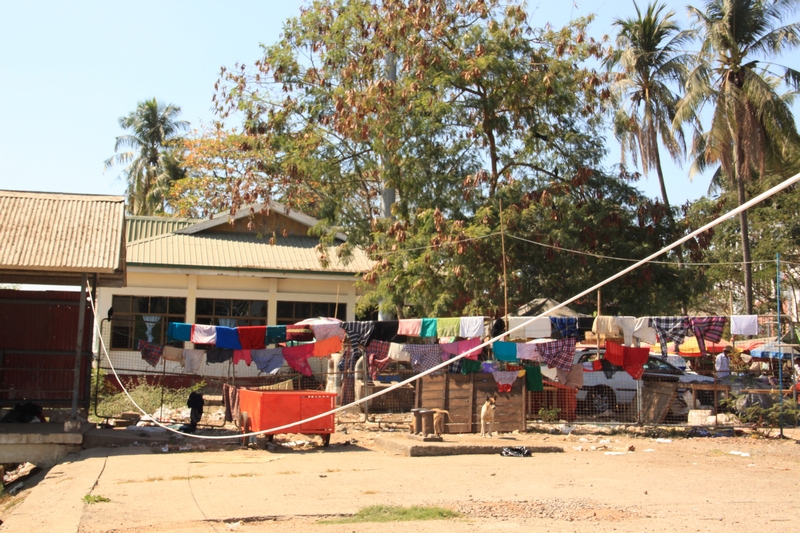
pixel 610 387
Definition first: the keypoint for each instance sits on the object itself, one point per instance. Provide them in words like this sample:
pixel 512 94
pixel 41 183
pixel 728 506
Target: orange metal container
pixel 263 410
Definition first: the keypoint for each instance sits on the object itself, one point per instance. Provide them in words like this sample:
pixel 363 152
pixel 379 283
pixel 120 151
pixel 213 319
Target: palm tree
pixel 152 126
pixel 650 54
pixel 752 124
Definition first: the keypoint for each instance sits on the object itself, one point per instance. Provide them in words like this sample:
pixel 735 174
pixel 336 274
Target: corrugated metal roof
pixel 239 251
pixel 139 228
pixel 61 232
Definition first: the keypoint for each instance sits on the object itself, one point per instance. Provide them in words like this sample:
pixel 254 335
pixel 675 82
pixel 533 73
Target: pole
pixel 505 277
pixel 780 367
pixel 76 377
pixel 388 194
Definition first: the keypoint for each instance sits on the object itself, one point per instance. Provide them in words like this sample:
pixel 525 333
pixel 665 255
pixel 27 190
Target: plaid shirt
pixel 377 356
pixel 424 356
pixel 707 328
pixel 669 328
pixel 558 353
pixel 567 326
pixel 150 352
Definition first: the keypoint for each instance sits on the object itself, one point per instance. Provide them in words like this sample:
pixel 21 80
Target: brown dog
pixel 487 415
pixel 440 416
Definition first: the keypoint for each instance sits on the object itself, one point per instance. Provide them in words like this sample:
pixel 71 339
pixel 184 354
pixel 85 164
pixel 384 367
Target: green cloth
pixel 428 328
pixel 448 327
pixel 533 378
pixel 468 366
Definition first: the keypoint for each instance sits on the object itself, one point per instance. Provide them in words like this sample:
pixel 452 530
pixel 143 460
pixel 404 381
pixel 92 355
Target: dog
pixel 487 415
pixel 440 416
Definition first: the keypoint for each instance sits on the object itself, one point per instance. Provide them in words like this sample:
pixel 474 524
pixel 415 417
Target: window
pixel 231 313
pixel 143 318
pixel 294 312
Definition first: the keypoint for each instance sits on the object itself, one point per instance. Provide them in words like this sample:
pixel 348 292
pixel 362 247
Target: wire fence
pixel 762 394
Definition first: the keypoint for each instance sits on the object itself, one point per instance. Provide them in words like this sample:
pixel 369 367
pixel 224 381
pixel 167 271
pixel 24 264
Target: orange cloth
pixel 327 347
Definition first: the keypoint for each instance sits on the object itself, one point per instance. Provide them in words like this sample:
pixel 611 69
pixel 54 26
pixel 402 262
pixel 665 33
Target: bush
pixel 150 397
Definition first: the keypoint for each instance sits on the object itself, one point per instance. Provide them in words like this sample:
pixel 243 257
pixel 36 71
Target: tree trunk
pixel 745 233
pixel 663 185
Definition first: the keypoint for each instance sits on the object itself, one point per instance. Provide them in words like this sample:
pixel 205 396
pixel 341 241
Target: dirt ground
pixel 601 482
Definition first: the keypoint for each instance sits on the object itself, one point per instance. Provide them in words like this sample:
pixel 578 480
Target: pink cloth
pixel 326 331
pixel 529 352
pixel 409 326
pixel 242 355
pixel 297 357
pixel 204 334
pixel 457 348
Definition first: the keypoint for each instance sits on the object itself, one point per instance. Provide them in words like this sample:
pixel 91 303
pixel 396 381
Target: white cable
pixel 761 197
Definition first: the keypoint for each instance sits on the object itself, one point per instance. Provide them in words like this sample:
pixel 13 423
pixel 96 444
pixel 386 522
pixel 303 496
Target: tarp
pixel 773 351
pixel 689 348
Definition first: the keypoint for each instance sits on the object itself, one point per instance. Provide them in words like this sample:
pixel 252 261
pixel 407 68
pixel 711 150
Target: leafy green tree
pixel 651 55
pixel 151 162
pixel 752 128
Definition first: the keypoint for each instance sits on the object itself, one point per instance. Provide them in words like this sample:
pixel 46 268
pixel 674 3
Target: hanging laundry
pixel 632 360
pixel 459 347
pixel 505 351
pixel 325 331
pixel 487 367
pixel 559 353
pixel 585 323
pixel 204 334
pixel 605 326
pixel 615 353
pixel 275 335
pixel 535 328
pixel 707 328
pixel 597 365
pixel 566 325
pixel 253 337
pixel 396 353
pixel 268 360
pixel 669 328
pixel 377 356
pixel 456 366
pixel 533 378
pixel 299 333
pixel 571 378
pixel 228 338
pixel 424 356
pixel 448 327
pixel 409 326
pixel 178 331
pixel 744 325
pixel 194 360
pixel 528 352
pixel 627 324
pixel 218 355
pixel 327 347
pixel 150 352
pixel 505 379
pixel 643 331
pixel 171 353
pixel 297 358
pixel 468 366
pixel 385 330
pixel 230 399
pixel 429 327
pixel 359 333
pixel 471 326
pixel 243 355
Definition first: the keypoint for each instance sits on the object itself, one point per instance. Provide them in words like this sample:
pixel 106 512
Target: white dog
pixel 487 415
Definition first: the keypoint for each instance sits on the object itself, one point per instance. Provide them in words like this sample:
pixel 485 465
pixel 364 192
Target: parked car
pixel 610 387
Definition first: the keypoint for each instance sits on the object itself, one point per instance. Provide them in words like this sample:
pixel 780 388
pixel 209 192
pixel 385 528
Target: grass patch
pixel 286 473
pixel 395 513
pixel 186 478
pixel 247 474
pixel 149 396
pixel 91 498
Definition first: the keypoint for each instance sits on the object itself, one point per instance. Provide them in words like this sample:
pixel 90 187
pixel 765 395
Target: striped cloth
pixel 669 328
pixel 359 333
pixel 707 328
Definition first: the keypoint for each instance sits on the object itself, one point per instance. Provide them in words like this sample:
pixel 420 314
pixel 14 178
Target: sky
pixel 71 69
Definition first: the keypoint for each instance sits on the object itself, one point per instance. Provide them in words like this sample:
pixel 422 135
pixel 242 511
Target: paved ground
pixel 600 483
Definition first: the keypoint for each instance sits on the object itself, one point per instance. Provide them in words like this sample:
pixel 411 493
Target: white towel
pixel 204 334
pixel 643 331
pixel 194 359
pixel 396 353
pixel 536 329
pixel 627 325
pixel 471 326
pixel 744 325
pixel 605 325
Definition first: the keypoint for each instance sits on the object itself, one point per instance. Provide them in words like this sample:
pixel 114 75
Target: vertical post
pixel 387 193
pixel 780 349
pixel 505 277
pixel 76 378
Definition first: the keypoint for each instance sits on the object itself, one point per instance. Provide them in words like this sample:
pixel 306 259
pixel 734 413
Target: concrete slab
pixel 41 444
pixel 413 448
